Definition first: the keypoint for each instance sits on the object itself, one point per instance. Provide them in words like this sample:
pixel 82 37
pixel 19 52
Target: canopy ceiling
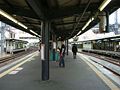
pixel 67 17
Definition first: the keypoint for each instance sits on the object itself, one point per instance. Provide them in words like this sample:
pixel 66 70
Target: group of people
pixel 62 54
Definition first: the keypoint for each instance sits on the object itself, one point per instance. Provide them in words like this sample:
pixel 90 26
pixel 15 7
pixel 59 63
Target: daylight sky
pixel 112 17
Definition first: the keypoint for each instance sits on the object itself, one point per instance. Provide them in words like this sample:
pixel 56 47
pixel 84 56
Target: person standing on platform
pixel 62 55
pixel 74 50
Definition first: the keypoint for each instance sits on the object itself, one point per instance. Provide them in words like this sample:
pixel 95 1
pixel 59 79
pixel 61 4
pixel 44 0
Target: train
pixel 15 45
pixel 108 44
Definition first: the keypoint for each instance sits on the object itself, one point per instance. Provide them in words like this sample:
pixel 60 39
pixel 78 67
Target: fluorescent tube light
pixel 92 19
pixel 33 32
pixel 3 13
pixel 22 25
pixel 89 21
pixel 79 32
pixel 86 25
pixel 39 36
pixel 104 4
pixel 7 16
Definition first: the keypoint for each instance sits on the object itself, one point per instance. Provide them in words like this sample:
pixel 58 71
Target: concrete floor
pixel 76 75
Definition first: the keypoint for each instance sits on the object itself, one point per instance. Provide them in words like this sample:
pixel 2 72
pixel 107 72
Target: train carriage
pixel 15 45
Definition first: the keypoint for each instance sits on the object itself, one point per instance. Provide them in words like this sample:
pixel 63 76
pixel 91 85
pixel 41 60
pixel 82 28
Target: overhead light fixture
pixel 85 25
pixel 39 36
pixel 33 32
pixel 104 4
pixel 3 13
pixel 7 16
pixel 79 32
pixel 22 25
pixel 89 21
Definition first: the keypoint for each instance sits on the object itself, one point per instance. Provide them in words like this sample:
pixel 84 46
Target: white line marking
pixel 16 66
pixel 19 68
pixel 14 72
pixel 18 61
pixel 103 77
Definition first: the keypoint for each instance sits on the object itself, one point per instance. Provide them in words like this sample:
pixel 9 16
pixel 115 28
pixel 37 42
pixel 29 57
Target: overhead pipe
pixel 80 17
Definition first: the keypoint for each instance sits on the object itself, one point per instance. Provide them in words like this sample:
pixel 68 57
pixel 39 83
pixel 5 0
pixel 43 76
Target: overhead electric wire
pixel 80 17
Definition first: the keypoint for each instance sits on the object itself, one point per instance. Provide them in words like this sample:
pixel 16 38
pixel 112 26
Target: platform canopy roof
pixel 67 17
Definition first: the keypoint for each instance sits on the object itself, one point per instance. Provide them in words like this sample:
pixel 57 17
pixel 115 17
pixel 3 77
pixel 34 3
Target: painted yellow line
pixel 11 69
pixel 14 67
pixel 111 85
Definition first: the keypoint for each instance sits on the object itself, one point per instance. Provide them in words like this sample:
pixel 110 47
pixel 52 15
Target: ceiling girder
pixel 37 6
pixel 19 11
pixel 14 25
pixel 70 11
pixel 66 23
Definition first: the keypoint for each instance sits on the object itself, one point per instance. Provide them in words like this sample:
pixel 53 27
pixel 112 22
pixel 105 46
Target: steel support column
pixel 45 49
pixel 102 24
pixel 107 21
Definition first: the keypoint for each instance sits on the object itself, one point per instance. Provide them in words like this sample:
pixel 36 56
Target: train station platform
pixel 77 75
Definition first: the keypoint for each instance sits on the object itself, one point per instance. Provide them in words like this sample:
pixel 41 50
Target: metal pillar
pixel 45 25
pixel 107 21
pixel 102 23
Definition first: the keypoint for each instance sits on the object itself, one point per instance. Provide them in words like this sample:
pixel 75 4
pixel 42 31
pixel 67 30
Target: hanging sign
pixel 42 52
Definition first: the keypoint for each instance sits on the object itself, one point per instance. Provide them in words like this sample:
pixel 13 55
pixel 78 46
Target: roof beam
pixel 6 1
pixel 79 2
pixel 31 23
pixel 19 11
pixel 66 23
pixel 70 11
pixel 37 6
pixel 5 20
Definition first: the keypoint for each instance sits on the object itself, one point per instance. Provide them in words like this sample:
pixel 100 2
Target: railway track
pixel 102 57
pixel 16 55
pixel 111 60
